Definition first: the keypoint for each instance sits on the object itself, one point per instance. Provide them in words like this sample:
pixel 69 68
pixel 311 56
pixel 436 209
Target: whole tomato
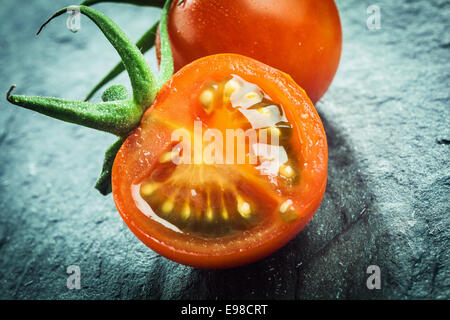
pixel 303 38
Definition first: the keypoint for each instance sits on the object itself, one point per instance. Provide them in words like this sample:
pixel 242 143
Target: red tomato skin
pixel 302 38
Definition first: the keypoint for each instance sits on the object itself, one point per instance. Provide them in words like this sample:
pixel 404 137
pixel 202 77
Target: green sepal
pixel 103 183
pixel 116 117
pixel 166 67
pixel 145 43
pixel 152 3
pixel 142 79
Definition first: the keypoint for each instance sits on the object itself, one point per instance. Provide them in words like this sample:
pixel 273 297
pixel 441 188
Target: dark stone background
pixel 387 202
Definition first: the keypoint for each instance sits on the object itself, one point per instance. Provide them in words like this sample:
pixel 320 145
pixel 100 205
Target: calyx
pixel 119 112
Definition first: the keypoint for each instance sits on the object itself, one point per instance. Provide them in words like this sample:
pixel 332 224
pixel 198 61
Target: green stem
pixel 103 183
pixel 145 43
pixel 166 67
pixel 141 77
pixel 116 117
pixel 117 114
pixel 153 3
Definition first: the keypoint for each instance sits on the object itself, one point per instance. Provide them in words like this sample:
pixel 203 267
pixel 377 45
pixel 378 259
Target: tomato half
pixel 300 37
pixel 247 198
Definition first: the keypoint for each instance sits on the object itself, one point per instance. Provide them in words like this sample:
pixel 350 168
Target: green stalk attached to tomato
pixel 119 113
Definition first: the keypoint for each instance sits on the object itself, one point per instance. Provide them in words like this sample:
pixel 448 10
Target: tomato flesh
pixel 227 165
pixel 217 195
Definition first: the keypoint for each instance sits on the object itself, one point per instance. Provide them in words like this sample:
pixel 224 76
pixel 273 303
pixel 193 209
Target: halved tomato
pixel 227 166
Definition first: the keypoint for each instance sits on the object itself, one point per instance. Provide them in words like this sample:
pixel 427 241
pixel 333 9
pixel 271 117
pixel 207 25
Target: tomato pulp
pixel 302 38
pixel 197 196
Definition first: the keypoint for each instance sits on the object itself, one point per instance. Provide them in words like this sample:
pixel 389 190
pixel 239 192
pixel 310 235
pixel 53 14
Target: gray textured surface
pixel 387 202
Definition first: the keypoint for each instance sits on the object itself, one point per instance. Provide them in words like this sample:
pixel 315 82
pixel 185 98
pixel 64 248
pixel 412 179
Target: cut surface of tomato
pixel 227 166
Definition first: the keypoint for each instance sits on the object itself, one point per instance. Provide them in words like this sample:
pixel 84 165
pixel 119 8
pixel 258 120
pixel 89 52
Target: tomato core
pixel 218 189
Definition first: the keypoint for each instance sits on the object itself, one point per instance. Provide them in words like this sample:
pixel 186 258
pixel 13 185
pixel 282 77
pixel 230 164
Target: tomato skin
pixel 142 148
pixel 302 38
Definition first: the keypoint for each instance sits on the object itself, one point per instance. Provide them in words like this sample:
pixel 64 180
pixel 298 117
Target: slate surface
pixel 387 202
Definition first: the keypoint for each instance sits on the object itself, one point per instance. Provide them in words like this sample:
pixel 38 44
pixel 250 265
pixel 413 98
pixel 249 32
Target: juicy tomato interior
pixel 226 167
